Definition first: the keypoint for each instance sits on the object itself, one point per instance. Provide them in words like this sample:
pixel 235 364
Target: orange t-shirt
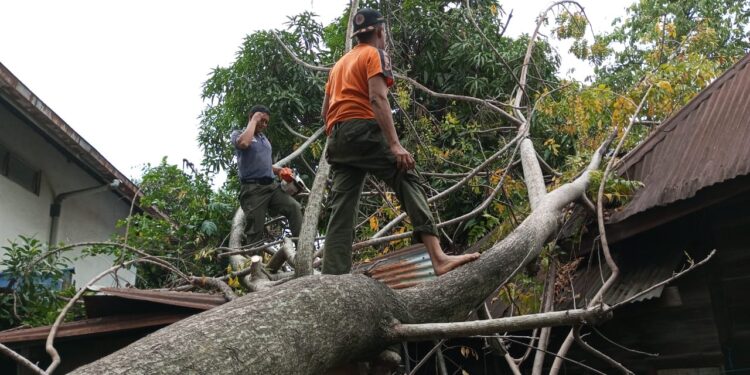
pixel 347 87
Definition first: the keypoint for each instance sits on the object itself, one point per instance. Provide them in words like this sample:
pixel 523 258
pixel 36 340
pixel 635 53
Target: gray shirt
pixel 255 161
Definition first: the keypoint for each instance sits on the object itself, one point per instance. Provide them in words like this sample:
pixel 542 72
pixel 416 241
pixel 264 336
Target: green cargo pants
pixel 357 147
pixel 256 200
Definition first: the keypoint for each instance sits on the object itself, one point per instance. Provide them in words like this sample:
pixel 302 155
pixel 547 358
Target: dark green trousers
pixel 355 148
pixel 257 199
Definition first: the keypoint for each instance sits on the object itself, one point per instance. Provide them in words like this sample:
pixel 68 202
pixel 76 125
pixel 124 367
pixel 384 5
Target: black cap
pixel 259 108
pixel 365 20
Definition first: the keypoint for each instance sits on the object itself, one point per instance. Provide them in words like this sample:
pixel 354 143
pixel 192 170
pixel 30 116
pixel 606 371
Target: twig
pixel 56 325
pixel 251 250
pixel 411 81
pixel 597 353
pixel 615 274
pixel 426 357
pixel 130 214
pixel 559 356
pixel 476 211
pixel 654 355
pixel 289 128
pixel 455 186
pixel 667 281
pixel 20 359
pixel 547 305
pixel 600 204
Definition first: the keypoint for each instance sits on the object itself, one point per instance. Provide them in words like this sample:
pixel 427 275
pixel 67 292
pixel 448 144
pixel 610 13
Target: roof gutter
pixel 56 206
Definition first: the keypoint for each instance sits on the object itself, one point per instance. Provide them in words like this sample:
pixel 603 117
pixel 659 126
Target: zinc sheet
pixel 401 269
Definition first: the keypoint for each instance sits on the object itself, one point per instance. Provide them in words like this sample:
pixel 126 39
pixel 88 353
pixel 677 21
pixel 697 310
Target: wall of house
pixel 89 217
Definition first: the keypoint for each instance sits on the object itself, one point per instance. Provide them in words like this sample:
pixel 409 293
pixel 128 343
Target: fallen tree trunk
pixel 314 323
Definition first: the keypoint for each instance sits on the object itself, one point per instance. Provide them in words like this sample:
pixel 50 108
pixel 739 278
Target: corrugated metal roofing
pixel 705 143
pixel 93 326
pixel 635 276
pixel 126 312
pixel 402 268
pixel 201 301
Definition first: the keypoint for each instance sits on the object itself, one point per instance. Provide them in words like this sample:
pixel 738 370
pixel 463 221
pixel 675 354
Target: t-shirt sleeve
pixel 379 62
pixel 234 136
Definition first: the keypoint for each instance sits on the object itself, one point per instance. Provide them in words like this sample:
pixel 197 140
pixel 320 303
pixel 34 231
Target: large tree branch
pixel 532 173
pixel 432 331
pixel 449 296
pixel 238 262
pixel 314 137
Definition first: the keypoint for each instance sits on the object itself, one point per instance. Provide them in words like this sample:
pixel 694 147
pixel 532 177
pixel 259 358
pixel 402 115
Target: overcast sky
pixel 127 75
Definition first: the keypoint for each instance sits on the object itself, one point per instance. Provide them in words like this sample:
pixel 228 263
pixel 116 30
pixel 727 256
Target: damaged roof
pixel 123 309
pixel 705 143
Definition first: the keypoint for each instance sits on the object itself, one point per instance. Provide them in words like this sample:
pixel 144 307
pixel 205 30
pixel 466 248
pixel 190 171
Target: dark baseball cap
pixel 365 20
pixel 259 108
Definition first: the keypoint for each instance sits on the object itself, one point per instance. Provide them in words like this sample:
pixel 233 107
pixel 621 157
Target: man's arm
pixel 378 91
pixel 246 137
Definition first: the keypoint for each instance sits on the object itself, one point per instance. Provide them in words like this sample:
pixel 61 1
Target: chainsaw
pixel 294 187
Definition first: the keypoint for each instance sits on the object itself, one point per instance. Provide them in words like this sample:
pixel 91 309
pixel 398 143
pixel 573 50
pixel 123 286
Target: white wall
pixel 83 218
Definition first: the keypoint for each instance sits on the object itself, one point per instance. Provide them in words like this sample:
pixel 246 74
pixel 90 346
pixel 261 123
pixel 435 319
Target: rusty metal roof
pixel 49 123
pixel 705 143
pixel 401 269
pixel 122 309
pixel 87 327
pixel 200 301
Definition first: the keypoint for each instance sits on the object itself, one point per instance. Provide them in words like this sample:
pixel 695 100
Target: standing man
pixel 259 192
pixel 362 139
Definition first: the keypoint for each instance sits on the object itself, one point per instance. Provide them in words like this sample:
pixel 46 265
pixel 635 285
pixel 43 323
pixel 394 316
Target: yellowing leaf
pixel 374 223
pixel 234 282
pixel 664 85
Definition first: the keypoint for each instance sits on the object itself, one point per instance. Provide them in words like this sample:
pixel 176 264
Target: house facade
pixel 55 186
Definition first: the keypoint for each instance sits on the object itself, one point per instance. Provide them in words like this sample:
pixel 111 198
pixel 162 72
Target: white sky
pixel 127 75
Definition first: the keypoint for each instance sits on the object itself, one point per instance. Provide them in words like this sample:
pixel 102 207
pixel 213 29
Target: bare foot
pixel 450 262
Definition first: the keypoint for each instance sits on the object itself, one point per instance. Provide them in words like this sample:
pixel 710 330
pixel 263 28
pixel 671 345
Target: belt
pixel 259 180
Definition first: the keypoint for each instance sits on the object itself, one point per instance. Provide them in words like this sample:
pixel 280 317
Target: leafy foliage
pixel 200 219
pixel 698 38
pixel 36 285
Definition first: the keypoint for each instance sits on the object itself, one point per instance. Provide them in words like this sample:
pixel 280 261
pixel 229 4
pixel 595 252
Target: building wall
pixel 89 217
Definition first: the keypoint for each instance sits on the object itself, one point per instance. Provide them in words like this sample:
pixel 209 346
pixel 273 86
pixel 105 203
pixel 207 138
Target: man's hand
pixel 286 174
pixel 404 160
pixel 261 121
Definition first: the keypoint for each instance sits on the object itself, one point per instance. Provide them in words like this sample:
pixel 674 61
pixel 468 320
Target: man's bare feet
pixel 450 262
